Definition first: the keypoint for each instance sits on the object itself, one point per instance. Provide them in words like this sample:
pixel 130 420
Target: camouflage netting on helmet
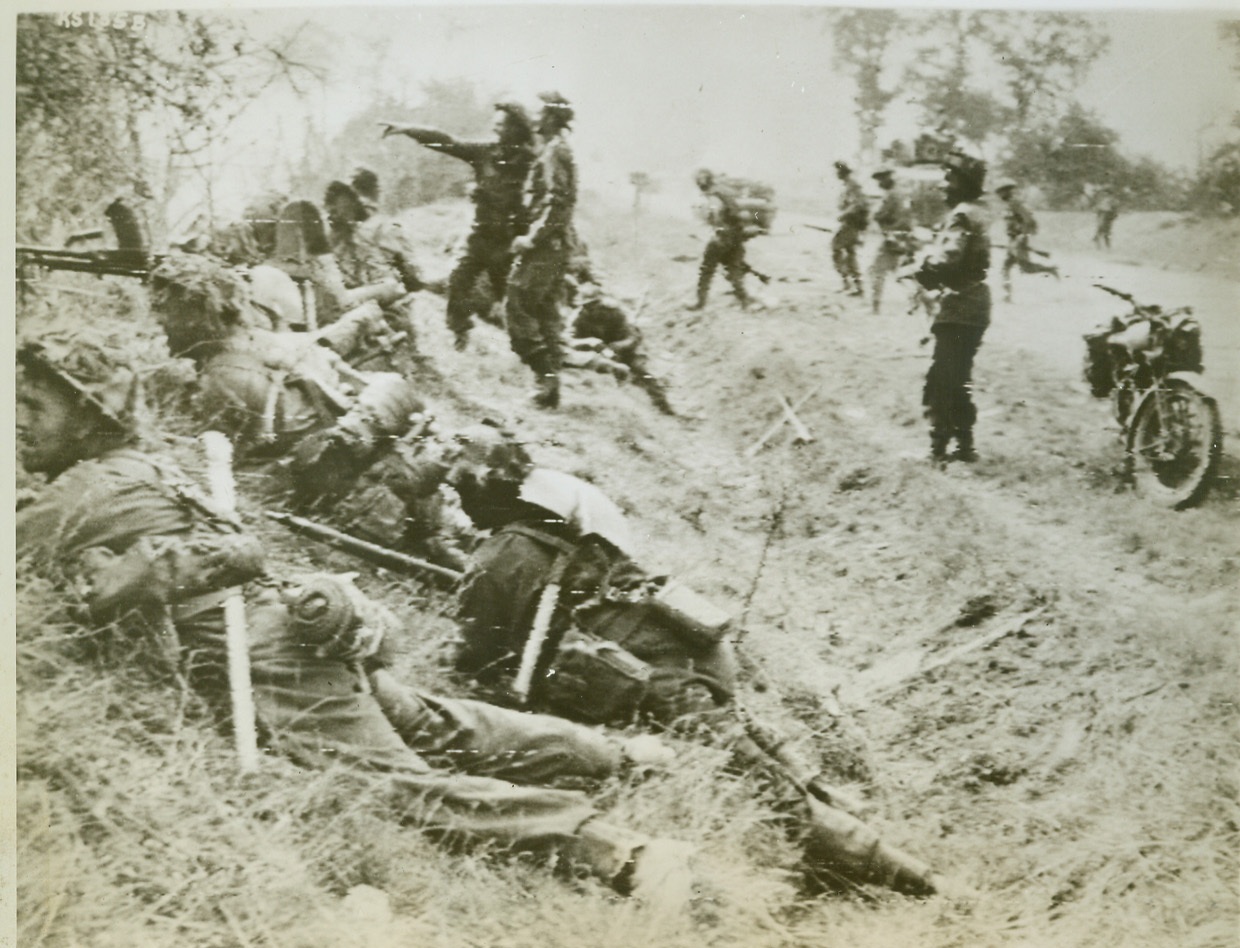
pixel 198 302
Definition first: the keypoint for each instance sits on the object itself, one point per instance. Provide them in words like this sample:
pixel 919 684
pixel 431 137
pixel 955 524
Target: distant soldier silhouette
pixel 1021 225
pixel 726 245
pixel 1106 209
pixel 896 223
pixel 854 216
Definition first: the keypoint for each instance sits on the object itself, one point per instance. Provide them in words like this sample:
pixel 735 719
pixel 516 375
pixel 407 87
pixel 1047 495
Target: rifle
pixel 359 547
pixel 825 230
pixel 761 276
pixel 126 263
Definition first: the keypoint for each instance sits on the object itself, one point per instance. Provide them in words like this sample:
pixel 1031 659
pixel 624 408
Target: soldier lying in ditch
pixel 347 441
pixel 556 615
pixel 145 552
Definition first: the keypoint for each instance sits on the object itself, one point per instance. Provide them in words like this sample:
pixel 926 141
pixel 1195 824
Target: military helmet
pixel 558 105
pixel 884 174
pixel 198 302
pixel 92 370
pixel 842 167
pixel 1007 184
pixel 487 452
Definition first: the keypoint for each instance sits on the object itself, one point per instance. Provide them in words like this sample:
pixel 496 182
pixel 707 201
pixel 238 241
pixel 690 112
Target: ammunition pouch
pixel 594 680
pixel 696 619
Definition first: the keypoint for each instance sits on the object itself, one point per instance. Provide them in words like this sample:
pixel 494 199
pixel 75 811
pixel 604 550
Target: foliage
pixel 129 105
pixel 862 41
pixel 1217 188
pixel 409 174
pixel 1043 57
pixel 1068 160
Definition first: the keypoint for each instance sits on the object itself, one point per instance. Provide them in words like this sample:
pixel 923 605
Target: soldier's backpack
pixel 755 200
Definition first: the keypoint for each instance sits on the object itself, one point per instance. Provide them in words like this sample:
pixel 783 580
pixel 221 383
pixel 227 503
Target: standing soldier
pixel 1106 209
pixel 1021 225
pixel 956 266
pixel 727 243
pixel 542 253
pixel 500 169
pixel 896 223
pixel 853 219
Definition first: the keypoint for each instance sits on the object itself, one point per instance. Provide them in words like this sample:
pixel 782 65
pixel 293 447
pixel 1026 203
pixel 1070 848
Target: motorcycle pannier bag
pixel 1098 364
pixel 594 680
pixel 1184 346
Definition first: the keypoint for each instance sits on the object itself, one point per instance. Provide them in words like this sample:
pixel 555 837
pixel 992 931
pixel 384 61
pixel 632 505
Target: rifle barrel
pixel 360 547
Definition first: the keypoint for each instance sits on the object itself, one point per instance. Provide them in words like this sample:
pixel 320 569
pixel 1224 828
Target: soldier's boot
pixel 703 288
pixel 547 379
pixel 655 870
pixel 964 446
pixel 938 444
pixel 840 846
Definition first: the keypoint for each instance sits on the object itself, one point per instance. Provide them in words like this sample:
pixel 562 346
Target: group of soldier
pixel 561 629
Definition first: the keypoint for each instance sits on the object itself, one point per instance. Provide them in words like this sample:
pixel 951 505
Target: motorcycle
pixel 1149 362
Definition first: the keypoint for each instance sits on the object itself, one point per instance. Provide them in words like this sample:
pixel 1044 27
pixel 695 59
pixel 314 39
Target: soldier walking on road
pixel 896 222
pixel 1106 209
pixel 500 170
pixel 1021 225
pixel 543 252
pixel 853 218
pixel 956 266
pixel 727 243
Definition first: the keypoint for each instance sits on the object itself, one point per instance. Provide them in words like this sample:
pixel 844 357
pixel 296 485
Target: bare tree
pixel 100 95
pixel 862 41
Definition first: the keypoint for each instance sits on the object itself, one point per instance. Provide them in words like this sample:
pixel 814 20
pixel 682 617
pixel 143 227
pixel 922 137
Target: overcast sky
pixel 748 89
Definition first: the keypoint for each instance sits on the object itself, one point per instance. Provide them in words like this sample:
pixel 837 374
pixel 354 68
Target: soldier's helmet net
pixel 198 302
pixel 91 371
pixel 487 454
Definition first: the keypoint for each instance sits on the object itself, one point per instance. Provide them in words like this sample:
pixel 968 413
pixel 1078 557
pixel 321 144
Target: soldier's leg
pixel 463 292
pixel 485 740
pixel 839 254
pixel 1010 260
pixel 712 256
pixel 734 266
pixel 936 396
pixel 533 289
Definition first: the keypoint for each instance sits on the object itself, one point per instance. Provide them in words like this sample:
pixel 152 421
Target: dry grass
pixel 1080 776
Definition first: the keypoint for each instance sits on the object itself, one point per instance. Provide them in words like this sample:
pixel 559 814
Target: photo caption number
pixel 134 22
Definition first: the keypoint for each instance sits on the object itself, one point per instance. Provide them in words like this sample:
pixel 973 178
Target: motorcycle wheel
pixel 1175 443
